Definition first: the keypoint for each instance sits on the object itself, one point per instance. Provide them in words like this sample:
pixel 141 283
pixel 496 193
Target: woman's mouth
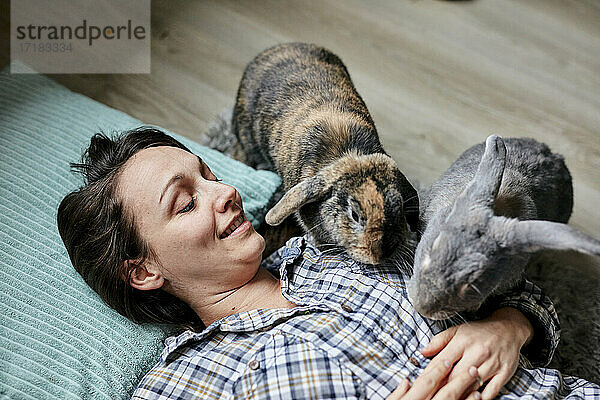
pixel 239 224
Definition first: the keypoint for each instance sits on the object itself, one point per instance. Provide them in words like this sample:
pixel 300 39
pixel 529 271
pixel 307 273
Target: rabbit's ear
pixel 486 183
pixel 484 187
pixel 534 235
pixel 307 191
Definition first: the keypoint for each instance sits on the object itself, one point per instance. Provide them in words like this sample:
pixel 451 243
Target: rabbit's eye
pixel 353 211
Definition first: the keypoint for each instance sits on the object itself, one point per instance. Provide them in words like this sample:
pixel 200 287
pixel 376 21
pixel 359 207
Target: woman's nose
pixel 227 197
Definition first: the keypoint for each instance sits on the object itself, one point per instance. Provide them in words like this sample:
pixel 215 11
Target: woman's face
pixel 194 224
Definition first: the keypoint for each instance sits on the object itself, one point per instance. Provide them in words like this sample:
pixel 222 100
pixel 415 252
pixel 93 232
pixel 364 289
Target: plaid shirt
pixel 353 335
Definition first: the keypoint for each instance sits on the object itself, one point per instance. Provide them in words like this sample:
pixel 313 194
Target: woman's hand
pixel 469 355
pixel 428 384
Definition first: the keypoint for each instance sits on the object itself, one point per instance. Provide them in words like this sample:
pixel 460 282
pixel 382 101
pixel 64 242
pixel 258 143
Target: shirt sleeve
pixel 295 369
pixel 539 309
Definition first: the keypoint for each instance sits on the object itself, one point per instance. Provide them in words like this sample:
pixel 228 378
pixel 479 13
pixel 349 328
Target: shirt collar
pixel 307 279
pixel 254 319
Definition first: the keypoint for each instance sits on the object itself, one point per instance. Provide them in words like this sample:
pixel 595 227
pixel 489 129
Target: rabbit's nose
pixel 425 300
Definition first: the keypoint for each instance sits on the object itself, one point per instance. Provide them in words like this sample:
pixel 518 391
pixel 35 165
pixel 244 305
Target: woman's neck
pixel 262 291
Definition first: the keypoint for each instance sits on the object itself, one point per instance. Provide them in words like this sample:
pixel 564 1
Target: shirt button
pixel 254 364
pixel 346 308
pixel 414 362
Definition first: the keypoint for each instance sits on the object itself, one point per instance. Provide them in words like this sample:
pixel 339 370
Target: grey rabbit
pixel 297 113
pixel 494 206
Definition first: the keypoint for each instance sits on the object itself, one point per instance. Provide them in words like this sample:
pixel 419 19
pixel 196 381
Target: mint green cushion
pixel 57 338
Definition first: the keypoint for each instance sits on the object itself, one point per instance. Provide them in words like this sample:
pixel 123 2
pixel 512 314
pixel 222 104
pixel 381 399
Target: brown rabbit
pixel 298 113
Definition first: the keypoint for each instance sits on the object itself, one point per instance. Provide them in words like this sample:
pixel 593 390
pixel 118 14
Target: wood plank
pixel 437 76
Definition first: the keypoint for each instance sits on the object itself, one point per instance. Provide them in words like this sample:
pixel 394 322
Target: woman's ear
pixel 144 276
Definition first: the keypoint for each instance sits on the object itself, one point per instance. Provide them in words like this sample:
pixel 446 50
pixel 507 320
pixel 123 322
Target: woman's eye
pixel 187 208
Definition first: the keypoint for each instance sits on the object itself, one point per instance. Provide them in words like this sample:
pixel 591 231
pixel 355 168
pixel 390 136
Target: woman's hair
pixel 100 234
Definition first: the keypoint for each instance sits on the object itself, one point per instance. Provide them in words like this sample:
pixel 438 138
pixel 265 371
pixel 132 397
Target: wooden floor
pixel 437 76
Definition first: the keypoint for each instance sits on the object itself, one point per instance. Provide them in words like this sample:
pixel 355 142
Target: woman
pixel 161 239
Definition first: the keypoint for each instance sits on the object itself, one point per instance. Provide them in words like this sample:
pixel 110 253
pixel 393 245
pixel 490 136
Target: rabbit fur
pixel 498 203
pixel 297 113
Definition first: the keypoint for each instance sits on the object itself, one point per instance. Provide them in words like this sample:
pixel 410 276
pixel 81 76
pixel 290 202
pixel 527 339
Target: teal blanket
pixel 57 338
